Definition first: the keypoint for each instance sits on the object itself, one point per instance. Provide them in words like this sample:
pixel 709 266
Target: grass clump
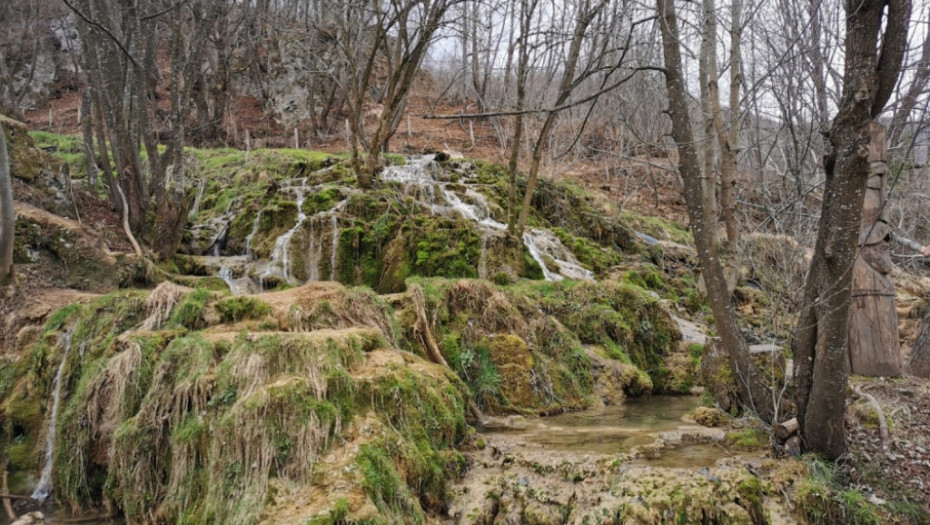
pixel 747 439
pixel 235 309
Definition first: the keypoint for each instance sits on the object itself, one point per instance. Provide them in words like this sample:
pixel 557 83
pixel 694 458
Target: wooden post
pixel 873 321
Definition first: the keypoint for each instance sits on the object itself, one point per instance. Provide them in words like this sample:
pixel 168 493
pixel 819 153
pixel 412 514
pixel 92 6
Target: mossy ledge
pixel 171 414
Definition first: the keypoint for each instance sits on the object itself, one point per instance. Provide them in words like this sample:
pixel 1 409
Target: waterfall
pixel 335 246
pixel 251 235
pixel 44 488
pixel 280 256
pixel 419 174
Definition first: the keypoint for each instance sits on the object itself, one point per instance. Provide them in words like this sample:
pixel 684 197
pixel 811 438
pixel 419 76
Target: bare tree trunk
pixel 918 85
pixel 710 105
pixel 87 129
pixel 752 389
pixel 7 213
pixel 729 138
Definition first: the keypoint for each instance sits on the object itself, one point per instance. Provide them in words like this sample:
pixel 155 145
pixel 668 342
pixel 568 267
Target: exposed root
pixel 126 228
pixel 882 424
pixel 6 497
pixel 425 334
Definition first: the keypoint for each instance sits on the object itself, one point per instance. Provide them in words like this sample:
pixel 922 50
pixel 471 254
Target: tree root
pixel 882 424
pixel 429 341
pixel 4 496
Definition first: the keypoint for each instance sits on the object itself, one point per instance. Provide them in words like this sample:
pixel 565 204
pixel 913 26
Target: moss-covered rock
pixel 180 423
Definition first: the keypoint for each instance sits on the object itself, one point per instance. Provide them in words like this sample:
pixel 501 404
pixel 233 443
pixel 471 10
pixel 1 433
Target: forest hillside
pixel 464 262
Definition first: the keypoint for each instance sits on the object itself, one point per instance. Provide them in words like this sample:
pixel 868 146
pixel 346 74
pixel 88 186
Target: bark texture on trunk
pixel 7 213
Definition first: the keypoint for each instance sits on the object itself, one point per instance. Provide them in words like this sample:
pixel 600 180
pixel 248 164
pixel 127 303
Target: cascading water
pixel 280 260
pixel 251 235
pixel 335 244
pixel 44 488
pixel 419 174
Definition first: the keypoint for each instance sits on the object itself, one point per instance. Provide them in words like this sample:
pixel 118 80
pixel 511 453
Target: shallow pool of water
pixel 618 429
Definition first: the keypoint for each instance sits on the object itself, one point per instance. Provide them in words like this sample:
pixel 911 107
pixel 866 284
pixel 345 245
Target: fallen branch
pixel 429 342
pixel 909 243
pixel 882 424
pixel 15 497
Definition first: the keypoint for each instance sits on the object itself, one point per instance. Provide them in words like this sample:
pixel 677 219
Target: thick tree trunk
pixel 821 337
pixel 7 213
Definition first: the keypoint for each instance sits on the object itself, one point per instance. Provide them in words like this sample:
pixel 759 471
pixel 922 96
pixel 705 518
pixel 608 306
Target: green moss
pixel 590 254
pixel 820 500
pixel 189 310
pixel 68 149
pixel 336 515
pixel 658 227
pixel 235 309
pixel 747 439
pixel 384 485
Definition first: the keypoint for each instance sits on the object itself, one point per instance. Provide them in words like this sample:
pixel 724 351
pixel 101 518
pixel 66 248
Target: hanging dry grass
pixel 160 302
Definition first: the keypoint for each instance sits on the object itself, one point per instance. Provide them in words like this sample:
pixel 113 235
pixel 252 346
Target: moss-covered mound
pixel 300 215
pixel 172 410
pixel 522 347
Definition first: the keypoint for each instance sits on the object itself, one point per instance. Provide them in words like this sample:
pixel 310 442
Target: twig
pixel 426 336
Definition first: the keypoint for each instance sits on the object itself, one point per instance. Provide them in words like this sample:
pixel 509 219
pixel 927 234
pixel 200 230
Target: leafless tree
pixel 876 39
pixel 751 386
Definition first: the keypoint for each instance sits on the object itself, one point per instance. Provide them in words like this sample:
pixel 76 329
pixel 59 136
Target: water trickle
pixel 251 235
pixel 313 261
pixel 44 488
pixel 335 247
pixel 483 258
pixel 280 255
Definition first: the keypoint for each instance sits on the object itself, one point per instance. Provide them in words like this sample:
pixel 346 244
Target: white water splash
pixel 420 173
pixel 44 488
pixel 251 235
pixel 542 242
pixel 280 254
pixel 335 244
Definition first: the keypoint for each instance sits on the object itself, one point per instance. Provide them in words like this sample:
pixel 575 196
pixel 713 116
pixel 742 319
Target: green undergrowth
pixel 832 493
pixel 159 417
pixel 821 499
pixel 521 347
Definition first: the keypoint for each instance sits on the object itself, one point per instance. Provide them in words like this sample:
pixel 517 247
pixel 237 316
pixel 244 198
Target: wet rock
pixel 33 518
